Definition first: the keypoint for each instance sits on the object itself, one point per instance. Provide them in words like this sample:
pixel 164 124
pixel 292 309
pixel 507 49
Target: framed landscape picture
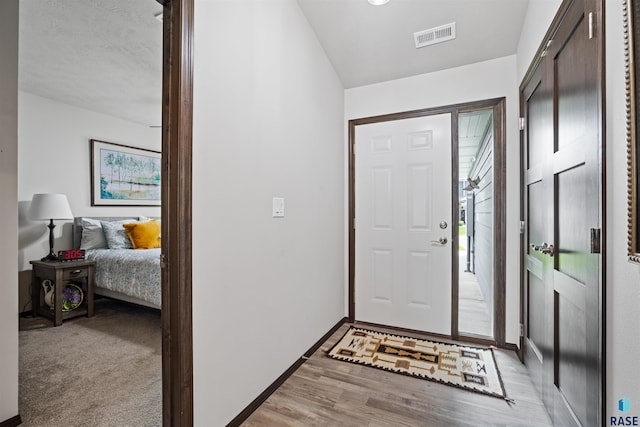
pixel 124 176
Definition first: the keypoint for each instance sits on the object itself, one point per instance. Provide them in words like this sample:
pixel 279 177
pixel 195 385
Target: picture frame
pixel 631 8
pixel 122 175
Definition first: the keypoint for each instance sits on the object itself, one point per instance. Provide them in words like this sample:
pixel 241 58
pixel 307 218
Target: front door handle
pixel 440 241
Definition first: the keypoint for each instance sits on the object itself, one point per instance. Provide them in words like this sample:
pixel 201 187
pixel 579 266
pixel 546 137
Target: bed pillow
pixel 92 234
pixel 144 235
pixel 146 218
pixel 116 235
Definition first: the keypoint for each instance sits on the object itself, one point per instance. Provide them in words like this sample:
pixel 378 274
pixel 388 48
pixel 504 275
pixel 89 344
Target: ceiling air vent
pixel 435 35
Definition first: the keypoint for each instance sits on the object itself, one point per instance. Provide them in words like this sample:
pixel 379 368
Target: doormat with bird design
pixel 470 368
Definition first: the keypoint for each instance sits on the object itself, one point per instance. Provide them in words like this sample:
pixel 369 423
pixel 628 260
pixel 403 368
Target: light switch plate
pixel 278 207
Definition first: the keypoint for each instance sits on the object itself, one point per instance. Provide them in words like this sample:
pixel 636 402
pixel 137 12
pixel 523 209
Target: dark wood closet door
pixel 562 189
pixel 576 176
pixel 538 344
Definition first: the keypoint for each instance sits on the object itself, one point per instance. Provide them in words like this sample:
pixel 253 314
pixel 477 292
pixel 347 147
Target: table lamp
pixel 47 207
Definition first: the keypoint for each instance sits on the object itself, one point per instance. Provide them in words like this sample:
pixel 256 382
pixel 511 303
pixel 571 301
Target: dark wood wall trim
pixel 177 128
pixel 11 422
pixel 498 105
pixel 251 408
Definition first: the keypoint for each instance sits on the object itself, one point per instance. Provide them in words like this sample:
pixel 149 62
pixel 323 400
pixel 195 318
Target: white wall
pixel 484 80
pixel 8 209
pixel 268 120
pixel 540 13
pixel 53 157
pixel 623 277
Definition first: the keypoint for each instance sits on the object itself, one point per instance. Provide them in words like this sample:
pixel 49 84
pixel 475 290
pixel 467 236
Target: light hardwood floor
pixel 328 392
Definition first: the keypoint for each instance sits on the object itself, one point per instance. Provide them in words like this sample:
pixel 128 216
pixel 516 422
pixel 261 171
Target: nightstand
pixel 60 272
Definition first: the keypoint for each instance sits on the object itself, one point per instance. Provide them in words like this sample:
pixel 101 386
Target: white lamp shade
pixel 50 206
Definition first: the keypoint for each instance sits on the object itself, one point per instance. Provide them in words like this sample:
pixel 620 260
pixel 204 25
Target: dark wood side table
pixel 61 272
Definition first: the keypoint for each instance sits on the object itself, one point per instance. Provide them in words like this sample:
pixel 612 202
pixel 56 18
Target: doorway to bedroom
pixel 88 70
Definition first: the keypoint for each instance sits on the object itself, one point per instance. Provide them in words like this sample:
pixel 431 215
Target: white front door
pixel 403 223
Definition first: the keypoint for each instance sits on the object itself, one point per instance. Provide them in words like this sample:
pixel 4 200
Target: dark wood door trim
pixel 455 211
pixel 177 128
pixel 599 11
pixel 529 85
pixel 500 221
pixel 498 104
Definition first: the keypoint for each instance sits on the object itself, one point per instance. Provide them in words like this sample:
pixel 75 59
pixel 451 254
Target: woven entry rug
pixel 470 368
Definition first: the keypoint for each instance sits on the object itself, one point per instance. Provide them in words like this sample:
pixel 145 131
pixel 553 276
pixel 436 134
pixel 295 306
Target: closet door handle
pixel 545 248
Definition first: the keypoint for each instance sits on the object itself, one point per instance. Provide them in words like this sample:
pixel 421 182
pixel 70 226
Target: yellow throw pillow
pixel 144 235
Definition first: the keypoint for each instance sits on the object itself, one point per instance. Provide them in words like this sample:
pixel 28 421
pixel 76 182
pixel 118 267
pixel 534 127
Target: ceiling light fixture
pixel 378 2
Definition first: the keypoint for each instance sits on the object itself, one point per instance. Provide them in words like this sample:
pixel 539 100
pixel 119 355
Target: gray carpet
pixel 99 371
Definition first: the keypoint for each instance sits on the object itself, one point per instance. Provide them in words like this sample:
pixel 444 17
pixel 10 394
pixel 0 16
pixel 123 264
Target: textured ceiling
pixel 103 55
pixel 370 44
pixel 106 55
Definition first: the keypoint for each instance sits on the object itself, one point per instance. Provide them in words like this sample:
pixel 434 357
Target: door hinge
pixel 521 329
pixel 354 223
pixel 353 149
pixel 521 123
pixel 163 261
pixel 522 227
pixel 590 25
pixel 595 240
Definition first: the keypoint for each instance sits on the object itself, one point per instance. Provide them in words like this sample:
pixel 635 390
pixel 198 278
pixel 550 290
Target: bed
pixel 131 275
